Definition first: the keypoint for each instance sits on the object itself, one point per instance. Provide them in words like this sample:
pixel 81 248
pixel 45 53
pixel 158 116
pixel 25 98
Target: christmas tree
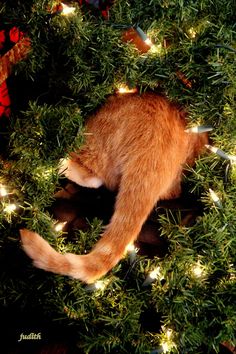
pixel 75 55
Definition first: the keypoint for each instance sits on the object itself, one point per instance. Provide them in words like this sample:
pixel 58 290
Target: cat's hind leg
pixel 76 172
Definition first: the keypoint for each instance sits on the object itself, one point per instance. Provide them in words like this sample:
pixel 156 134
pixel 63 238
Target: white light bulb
pixel 100 285
pixel 122 89
pixel 198 270
pixel 155 273
pixel 148 42
pixel 10 208
pixel 132 251
pixel 67 10
pixel 192 33
pixel 165 347
pixel 59 226
pixel 3 191
pixel 199 129
pixel 214 197
pixel 130 247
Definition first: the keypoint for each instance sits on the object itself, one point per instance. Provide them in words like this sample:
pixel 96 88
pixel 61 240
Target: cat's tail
pixel 136 198
pixel 47 258
pixel 86 268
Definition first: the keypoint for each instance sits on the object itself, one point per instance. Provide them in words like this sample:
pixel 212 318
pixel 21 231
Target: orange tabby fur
pixel 136 144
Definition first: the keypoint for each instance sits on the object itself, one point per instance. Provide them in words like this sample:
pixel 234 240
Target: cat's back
pixel 136 113
pixel 137 132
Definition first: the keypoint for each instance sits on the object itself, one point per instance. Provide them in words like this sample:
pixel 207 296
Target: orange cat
pixel 138 145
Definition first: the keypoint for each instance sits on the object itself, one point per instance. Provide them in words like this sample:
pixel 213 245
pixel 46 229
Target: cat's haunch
pixel 136 144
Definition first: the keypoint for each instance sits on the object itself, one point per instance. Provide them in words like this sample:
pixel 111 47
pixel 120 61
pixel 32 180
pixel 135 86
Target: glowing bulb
pixel 10 208
pixel 59 226
pixel 132 250
pixel 215 198
pixel 155 273
pixel 199 129
pixel 198 270
pixel 143 36
pixel 148 42
pixel 165 347
pixel 67 10
pixel 100 285
pixel 192 33
pixel 167 344
pixel 125 89
pixel 3 191
pixel 130 247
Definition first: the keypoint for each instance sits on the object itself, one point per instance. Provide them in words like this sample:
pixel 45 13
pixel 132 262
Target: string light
pixel 232 276
pixel 165 347
pixel 143 36
pixel 10 208
pixel 198 270
pixel 122 89
pixel 167 344
pixel 214 197
pixel 153 275
pixel 220 153
pixel 192 33
pixel 67 10
pixel 199 129
pixel 130 247
pixel 132 251
pixel 59 226
pixel 148 42
pixel 99 285
pixel 3 191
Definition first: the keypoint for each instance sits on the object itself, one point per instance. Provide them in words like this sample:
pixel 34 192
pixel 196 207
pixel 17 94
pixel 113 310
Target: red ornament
pixel 16 53
pixel 4 100
pixel 15 35
pixel 2 38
